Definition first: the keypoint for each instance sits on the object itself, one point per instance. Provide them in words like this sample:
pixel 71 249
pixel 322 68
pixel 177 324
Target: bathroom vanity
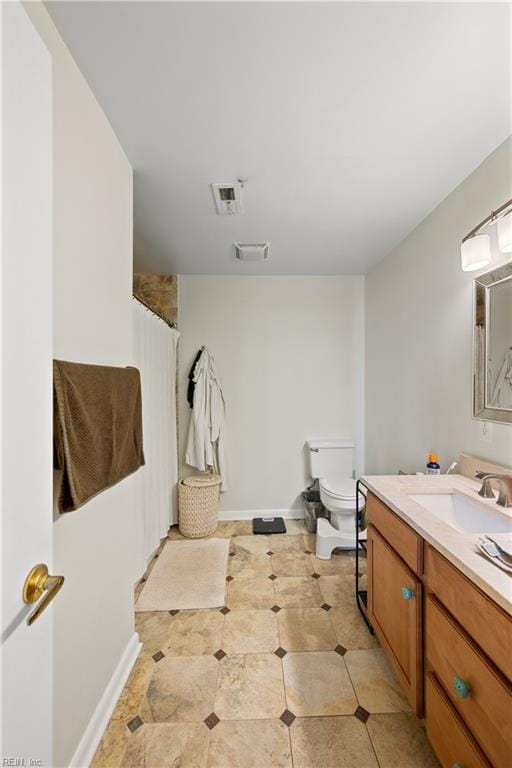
pixel 442 613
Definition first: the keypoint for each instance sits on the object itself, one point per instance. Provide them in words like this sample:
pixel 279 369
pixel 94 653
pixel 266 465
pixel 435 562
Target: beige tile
pixel 138 589
pixel 150 280
pixel 152 563
pixel 243 528
pixel 317 684
pixel 243 546
pixel 112 746
pixel 297 592
pixel 250 632
pixel 400 740
pixel 338 590
pixel 227 528
pixel 131 698
pixel 250 687
pixel 375 684
pixel 153 628
pixel 174 533
pixel 158 292
pixel 250 593
pixel 305 629
pixel 167 745
pixel 348 624
pixel 310 541
pixel 294 527
pixel 250 744
pixel 193 633
pixel 181 690
pixel 331 742
pixel 350 628
pixel 250 566
pixel 291 564
pixel 287 543
pixel 339 563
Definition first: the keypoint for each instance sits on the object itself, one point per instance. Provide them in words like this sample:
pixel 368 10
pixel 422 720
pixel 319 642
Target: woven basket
pixel 198 498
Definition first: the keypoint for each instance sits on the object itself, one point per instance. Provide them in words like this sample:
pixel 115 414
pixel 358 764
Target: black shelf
pixel 361 594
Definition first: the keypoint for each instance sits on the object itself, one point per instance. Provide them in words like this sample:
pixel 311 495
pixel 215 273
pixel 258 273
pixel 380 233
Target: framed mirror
pixel 492 346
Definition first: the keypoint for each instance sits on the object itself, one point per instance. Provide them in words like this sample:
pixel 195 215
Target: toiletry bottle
pixel 433 468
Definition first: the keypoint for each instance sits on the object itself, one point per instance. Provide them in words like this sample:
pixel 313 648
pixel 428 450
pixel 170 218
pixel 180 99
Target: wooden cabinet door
pixel 394 608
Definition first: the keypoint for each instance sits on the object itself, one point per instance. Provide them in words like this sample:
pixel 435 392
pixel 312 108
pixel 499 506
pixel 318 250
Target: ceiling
pixel 351 121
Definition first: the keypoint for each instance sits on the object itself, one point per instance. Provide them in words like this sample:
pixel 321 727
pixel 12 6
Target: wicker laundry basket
pixel 198 502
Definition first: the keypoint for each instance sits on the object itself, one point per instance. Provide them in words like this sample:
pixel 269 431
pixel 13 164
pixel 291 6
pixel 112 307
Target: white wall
pixel 290 355
pixel 94 546
pixel 419 335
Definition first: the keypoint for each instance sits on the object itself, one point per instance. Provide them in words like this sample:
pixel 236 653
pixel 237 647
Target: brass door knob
pixel 37 583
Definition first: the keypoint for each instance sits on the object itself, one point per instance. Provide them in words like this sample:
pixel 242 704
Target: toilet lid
pixel 337 485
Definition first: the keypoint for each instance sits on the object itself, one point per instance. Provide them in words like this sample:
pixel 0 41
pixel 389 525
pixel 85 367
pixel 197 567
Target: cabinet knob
pixel 462 688
pixel 407 593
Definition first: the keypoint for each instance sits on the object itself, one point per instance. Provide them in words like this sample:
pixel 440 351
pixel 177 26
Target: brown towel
pixel 97 428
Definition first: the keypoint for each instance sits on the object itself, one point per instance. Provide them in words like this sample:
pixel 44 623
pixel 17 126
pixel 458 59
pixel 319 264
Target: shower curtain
pixel 155 348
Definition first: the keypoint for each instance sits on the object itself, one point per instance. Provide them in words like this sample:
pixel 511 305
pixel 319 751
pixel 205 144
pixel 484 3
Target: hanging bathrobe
pixel 206 443
pixel 502 394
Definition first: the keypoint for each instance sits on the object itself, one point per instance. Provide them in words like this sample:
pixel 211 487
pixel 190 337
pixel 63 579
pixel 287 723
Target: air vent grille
pixel 252 251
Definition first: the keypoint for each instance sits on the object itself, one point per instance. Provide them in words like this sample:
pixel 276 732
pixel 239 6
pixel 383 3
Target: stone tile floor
pixel 284 675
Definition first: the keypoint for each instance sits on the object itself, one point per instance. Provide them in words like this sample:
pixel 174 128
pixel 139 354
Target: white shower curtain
pixel 155 348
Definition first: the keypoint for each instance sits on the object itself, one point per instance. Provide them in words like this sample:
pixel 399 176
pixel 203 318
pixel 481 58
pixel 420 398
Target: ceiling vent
pixel 252 251
pixel 228 198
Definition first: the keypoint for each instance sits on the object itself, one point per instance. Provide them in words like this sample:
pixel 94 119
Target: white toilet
pixel 332 463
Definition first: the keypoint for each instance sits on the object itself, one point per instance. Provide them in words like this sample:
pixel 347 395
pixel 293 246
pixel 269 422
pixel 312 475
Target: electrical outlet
pixel 485 431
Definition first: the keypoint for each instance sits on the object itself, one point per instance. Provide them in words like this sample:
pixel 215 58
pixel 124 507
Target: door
pixel 394 608
pixel 26 387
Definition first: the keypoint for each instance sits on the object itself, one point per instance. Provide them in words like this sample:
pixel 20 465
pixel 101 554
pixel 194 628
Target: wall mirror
pixel 492 345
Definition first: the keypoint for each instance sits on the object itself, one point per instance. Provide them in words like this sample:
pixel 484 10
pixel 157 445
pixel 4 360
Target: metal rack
pixel 361 594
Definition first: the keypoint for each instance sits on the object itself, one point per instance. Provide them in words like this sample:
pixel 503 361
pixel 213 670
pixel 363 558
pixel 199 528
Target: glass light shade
pixel 505 233
pixel 475 252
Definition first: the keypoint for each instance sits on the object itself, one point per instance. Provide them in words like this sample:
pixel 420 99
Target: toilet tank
pixel 331 457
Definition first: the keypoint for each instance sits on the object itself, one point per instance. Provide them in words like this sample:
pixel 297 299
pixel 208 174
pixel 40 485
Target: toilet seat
pixel 339 487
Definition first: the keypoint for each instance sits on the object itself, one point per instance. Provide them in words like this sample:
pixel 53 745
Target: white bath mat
pixel 187 574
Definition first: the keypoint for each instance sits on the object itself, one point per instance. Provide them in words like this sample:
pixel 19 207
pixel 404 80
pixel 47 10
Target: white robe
pixel 206 443
pixel 502 394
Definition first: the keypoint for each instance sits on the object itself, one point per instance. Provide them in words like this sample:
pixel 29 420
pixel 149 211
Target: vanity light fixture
pixel 475 252
pixel 505 233
pixel 475 249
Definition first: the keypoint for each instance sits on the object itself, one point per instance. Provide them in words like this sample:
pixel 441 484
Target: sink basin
pixel 463 514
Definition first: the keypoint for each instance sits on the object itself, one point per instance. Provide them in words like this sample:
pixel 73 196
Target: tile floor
pixel 284 675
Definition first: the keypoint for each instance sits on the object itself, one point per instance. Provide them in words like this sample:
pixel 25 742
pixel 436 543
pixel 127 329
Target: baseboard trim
pixel 248 514
pixel 92 736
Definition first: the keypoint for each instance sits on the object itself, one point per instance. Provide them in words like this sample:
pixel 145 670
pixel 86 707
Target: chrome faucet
pixel 505 487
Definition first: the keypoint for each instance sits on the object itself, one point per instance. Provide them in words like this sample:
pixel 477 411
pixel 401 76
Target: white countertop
pixel 459 548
